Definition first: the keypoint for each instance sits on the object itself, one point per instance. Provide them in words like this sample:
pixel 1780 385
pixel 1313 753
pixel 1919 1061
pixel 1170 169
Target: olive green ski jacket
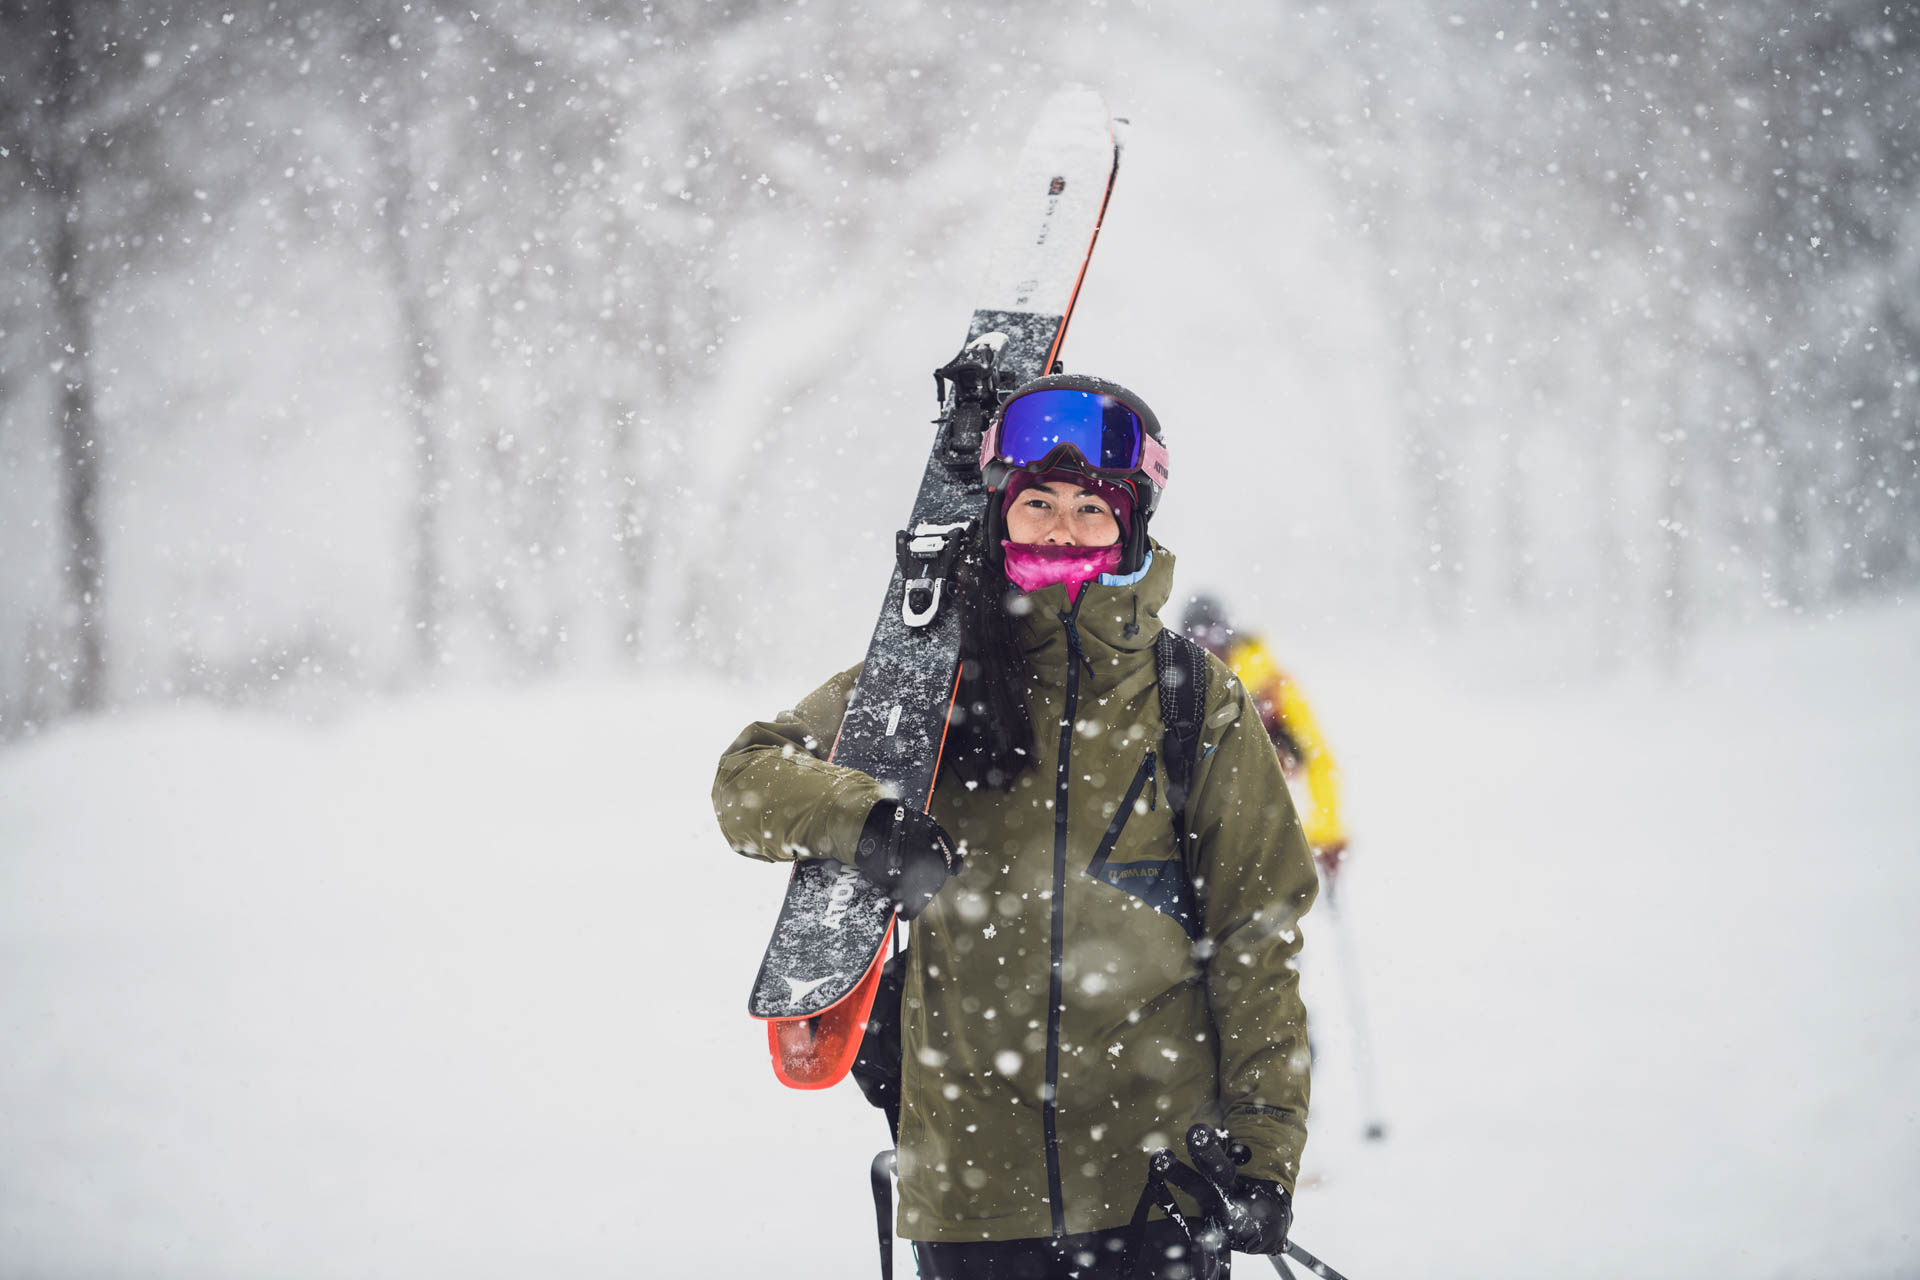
pixel 1080 994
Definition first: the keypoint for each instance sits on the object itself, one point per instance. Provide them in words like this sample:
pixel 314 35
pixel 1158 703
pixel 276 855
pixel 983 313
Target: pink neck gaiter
pixel 1031 566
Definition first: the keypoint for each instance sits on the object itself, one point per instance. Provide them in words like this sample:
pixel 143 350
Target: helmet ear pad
pixel 994 530
pixel 1133 553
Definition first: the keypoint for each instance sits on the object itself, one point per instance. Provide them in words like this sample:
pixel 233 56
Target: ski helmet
pixel 1206 623
pixel 1074 422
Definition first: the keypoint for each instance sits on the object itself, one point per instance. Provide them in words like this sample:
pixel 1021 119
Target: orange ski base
pixel 817 1052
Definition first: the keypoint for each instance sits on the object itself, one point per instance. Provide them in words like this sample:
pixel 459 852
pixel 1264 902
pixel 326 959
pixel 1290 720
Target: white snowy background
pixel 1539 378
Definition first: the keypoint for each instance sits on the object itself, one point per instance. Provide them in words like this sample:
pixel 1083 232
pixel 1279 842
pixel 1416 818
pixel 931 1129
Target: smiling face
pixel 1061 513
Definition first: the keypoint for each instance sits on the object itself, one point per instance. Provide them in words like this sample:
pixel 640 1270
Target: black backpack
pixel 1180 668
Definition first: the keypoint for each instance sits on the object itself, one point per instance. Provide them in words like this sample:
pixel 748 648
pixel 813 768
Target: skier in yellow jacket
pixel 1289 721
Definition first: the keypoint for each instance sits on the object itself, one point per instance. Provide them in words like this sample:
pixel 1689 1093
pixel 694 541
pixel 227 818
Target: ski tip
pixel 817 1051
pixel 1076 89
pixel 1077 101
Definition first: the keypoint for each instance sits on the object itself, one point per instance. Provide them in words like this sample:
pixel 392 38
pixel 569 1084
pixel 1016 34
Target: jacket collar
pixel 1116 625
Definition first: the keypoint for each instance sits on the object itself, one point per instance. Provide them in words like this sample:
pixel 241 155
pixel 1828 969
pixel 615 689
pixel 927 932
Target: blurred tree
pixel 1651 268
pixel 1713 205
pixel 92 95
pixel 1834 170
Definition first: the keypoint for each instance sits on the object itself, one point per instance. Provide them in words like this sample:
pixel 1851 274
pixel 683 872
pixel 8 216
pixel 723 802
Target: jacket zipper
pixel 1049 1101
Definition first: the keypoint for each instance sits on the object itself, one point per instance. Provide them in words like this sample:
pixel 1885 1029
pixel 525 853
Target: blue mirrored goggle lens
pixel 1105 431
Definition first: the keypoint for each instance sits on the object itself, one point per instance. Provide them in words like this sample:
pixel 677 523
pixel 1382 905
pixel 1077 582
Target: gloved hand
pixel 1327 857
pixel 1259 1215
pixel 1256 1213
pixel 907 853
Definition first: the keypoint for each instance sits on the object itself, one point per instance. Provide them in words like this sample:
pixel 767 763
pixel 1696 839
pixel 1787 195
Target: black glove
pixel 907 853
pixel 1259 1214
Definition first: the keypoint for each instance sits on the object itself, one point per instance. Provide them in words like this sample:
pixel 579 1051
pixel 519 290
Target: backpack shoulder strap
pixel 1180 665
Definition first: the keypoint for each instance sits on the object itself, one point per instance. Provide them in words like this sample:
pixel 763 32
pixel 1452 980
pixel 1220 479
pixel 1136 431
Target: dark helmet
pixel 1206 623
pixel 1116 408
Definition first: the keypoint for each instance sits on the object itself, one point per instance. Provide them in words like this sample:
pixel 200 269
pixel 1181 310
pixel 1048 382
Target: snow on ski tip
pixel 1069 157
pixel 808 965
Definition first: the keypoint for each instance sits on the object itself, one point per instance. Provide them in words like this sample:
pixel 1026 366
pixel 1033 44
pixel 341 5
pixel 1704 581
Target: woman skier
pixel 1097 963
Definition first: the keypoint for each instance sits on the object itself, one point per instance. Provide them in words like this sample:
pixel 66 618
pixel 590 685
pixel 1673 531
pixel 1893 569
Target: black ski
pixel 816 984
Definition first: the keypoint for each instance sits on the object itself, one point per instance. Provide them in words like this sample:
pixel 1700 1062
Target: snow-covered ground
pixel 456 987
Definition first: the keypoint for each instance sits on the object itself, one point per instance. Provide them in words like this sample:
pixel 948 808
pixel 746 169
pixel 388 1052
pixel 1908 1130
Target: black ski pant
pixel 1098 1255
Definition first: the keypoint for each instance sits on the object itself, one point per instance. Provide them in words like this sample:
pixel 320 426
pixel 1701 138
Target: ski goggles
pixel 1035 430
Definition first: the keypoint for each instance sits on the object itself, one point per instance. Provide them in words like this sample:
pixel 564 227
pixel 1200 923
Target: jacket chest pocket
pixel 1137 853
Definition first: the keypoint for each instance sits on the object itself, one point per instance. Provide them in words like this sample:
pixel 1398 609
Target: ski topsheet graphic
pixel 816 984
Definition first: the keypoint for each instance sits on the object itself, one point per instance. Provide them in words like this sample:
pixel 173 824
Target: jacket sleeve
pixel 1323 825
pixel 776 795
pixel 1256 879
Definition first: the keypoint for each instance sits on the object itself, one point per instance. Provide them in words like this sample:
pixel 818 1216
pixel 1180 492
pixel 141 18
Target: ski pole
pixel 1306 1260
pixel 1357 1014
pixel 882 1173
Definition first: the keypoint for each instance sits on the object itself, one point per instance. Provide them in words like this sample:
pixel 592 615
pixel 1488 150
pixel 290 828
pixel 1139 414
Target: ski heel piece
pixel 926 557
pixel 969 388
pixel 881 1172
